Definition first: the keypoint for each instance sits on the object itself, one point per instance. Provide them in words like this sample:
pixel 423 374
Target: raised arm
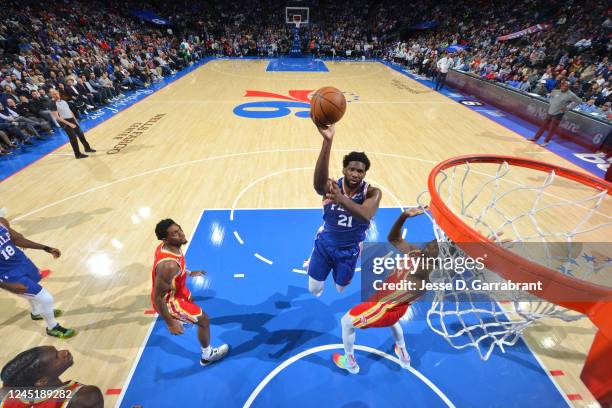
pixel 23 242
pixel 321 173
pixel 164 273
pixel 395 234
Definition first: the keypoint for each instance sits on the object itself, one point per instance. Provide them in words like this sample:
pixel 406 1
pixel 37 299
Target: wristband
pixel 47 249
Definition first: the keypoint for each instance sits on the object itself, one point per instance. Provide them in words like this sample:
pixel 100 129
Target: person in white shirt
pixel 65 117
pixel 443 65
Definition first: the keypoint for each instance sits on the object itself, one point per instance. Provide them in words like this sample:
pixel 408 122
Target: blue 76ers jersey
pixel 11 257
pixel 341 228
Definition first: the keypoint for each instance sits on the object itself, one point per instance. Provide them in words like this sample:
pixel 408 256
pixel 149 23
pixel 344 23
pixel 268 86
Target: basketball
pixel 327 106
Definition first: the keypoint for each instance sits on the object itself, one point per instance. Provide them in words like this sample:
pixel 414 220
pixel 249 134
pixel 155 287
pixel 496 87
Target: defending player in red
pixel 385 308
pixel 171 297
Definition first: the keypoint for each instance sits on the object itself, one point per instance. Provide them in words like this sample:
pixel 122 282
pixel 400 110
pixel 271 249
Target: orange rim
pixel 560 289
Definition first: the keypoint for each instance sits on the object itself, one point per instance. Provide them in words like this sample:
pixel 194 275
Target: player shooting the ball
pixel 349 204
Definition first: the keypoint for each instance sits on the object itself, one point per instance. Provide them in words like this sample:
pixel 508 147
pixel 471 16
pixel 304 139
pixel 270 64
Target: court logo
pixel 130 134
pixel 277 105
pixel 471 103
pixel 598 159
pixel 399 84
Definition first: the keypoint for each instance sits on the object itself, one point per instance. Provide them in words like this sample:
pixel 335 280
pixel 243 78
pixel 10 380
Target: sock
pixel 34 307
pixel 206 352
pixel 348 335
pixel 398 335
pixel 44 305
pixel 315 287
pixel 339 288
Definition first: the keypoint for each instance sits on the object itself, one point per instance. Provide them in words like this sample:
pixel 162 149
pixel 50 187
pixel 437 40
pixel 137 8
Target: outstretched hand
pixel 200 272
pixel 413 212
pixel 327 131
pixel 55 252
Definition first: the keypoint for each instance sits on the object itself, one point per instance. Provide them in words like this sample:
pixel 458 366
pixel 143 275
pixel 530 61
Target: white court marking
pixel 313 350
pixel 240 101
pixel 276 75
pixel 231 155
pixel 238 237
pixel 262 258
pixel 276 173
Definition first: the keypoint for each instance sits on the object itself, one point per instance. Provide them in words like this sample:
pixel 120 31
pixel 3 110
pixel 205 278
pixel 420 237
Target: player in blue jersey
pixel 19 275
pixel 349 204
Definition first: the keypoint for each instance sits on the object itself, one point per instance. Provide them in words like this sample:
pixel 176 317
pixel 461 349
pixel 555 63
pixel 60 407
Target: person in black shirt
pixel 24 109
pixel 42 107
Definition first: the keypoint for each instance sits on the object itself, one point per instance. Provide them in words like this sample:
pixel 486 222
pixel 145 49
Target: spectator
pixel 78 95
pixel 25 110
pixel 6 144
pixel 588 107
pixel 560 101
pixel 25 125
pixel 7 94
pixel 606 110
pixel 41 105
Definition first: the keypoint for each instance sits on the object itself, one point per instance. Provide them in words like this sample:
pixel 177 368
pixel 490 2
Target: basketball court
pixel 227 149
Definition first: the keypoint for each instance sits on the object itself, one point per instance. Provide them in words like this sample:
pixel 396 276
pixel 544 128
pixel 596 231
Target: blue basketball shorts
pixel 325 258
pixel 26 274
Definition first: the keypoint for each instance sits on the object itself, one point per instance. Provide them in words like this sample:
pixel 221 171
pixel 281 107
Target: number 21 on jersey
pixel 345 220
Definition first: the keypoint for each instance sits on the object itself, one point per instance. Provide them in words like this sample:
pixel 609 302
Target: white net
pixel 565 234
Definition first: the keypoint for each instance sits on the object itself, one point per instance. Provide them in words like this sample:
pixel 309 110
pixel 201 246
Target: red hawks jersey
pixel 59 398
pixel 402 295
pixel 178 289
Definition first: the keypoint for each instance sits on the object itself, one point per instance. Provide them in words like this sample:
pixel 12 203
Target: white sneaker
pixel 403 356
pixel 346 363
pixel 217 354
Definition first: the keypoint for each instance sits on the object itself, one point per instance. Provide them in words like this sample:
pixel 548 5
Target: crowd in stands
pixel 93 51
pixel 89 53
pixel 575 48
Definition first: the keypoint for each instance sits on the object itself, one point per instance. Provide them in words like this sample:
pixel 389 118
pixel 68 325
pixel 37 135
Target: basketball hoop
pixel 297 16
pixel 297 20
pixel 467 199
